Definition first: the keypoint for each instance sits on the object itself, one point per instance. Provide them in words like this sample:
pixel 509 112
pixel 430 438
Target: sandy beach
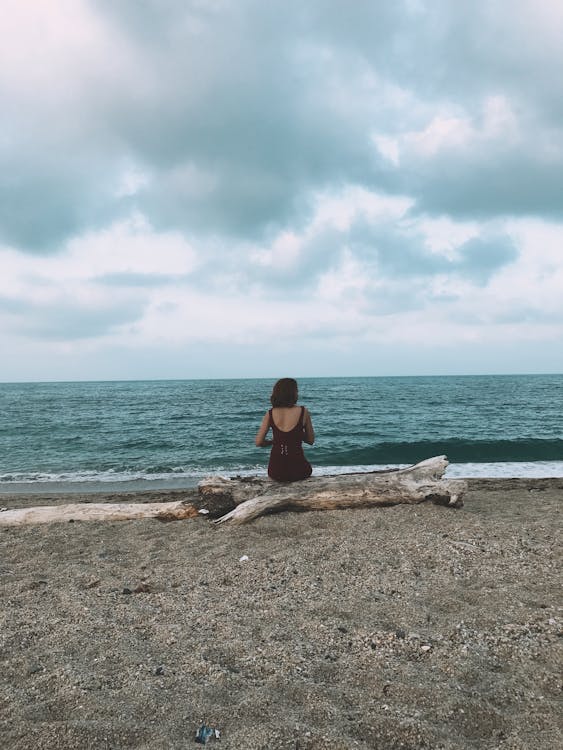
pixel 399 627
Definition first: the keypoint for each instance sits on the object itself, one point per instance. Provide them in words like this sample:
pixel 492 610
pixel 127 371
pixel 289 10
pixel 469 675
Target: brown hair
pixel 284 393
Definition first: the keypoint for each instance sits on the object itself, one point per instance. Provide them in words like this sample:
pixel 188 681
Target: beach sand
pixel 399 627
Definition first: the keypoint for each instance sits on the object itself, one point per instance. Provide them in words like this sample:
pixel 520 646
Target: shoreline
pixel 42 496
pixel 407 626
pixel 75 493
pixel 80 485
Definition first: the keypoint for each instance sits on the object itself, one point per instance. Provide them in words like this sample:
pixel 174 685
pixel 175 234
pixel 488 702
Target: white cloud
pixel 344 285
pixel 448 132
pixel 56 56
pixel 100 281
pixel 130 287
pixel 131 180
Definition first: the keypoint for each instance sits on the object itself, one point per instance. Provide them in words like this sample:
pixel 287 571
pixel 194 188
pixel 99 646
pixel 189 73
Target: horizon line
pixel 55 381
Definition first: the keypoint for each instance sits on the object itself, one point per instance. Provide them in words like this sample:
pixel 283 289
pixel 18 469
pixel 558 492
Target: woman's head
pixel 284 393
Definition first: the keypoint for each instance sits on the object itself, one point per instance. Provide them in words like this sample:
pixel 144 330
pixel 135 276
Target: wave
pixel 107 481
pixel 456 449
pixel 156 477
pixel 99 476
pixel 525 457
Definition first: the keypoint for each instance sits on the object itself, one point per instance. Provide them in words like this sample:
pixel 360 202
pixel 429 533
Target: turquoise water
pixel 171 433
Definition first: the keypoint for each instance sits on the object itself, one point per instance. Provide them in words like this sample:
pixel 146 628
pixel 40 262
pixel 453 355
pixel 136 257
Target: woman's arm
pixel 260 438
pixel 308 428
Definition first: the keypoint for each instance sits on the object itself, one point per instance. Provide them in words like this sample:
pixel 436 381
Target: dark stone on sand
pixel 37 585
pixel 142 588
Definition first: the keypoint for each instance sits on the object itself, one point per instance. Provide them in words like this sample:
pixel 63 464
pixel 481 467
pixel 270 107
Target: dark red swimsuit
pixel 287 460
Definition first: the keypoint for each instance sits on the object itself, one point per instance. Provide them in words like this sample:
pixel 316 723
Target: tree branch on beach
pixel 239 500
pixel 174 511
pixel 255 497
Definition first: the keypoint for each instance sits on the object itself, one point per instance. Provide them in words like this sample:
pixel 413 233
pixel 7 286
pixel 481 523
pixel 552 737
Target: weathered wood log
pixel 246 499
pixel 97 512
pixel 414 484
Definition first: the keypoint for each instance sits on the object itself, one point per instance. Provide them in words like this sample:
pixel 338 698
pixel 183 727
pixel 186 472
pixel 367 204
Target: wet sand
pixel 400 627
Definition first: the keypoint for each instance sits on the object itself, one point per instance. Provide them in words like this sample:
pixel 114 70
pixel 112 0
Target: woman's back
pixel 286 418
pixel 287 460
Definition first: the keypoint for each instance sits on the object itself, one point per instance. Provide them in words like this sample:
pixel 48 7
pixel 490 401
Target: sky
pixel 240 188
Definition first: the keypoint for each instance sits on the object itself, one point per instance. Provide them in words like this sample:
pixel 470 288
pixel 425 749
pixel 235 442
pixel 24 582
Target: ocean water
pixel 157 434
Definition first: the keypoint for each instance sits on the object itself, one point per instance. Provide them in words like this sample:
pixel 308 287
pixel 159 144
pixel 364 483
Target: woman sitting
pixel 290 425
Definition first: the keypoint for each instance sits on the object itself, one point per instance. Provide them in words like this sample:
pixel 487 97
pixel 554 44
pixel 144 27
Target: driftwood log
pixel 255 497
pixel 97 512
pixel 241 500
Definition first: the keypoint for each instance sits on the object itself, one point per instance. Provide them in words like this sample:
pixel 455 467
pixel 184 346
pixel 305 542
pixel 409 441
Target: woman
pixel 290 424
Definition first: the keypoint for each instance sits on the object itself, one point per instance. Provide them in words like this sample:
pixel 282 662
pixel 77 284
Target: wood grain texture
pixel 97 512
pixel 254 497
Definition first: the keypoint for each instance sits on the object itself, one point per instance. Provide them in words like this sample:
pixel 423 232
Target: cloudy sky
pixel 226 188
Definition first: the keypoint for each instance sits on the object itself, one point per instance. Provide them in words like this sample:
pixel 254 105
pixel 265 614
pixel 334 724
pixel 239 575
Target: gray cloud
pixel 12 306
pixel 46 198
pixel 386 251
pixel 395 252
pixel 487 183
pixel 530 315
pixel 68 321
pixel 142 280
pixel 236 102
pixel 479 258
pixel 242 111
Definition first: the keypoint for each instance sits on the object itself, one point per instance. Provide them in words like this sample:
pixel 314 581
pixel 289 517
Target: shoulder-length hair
pixel 284 393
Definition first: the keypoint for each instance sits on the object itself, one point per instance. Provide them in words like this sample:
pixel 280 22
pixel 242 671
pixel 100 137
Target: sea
pixel 106 436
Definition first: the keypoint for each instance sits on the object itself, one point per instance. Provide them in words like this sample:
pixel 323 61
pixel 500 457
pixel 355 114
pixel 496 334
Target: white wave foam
pixel 508 470
pixel 180 476
pixel 500 470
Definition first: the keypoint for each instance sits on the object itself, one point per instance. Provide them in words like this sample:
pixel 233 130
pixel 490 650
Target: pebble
pixel 91 583
pixel 142 588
